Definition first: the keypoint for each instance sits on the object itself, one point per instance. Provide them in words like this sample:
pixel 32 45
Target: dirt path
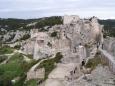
pixel 9 56
pixel 36 65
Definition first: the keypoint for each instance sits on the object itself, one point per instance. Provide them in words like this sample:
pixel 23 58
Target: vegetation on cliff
pixel 21 24
pixel 94 62
pixel 109 27
pixel 16 67
pixel 6 50
pixel 49 64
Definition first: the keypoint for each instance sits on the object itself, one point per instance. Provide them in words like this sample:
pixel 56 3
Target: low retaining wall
pixel 38 74
pixel 109 59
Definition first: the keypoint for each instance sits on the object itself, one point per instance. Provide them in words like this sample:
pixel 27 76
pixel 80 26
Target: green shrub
pixel 25 68
pixel 49 21
pixel 16 67
pixel 13 68
pixel 30 56
pixel 21 81
pixel 93 63
pixel 2 58
pixel 4 81
pixel 26 36
pixel 54 34
pixel 6 50
pixel 49 44
pixel 17 47
pixel 109 27
pixel 49 64
pixel 31 83
pixel 58 57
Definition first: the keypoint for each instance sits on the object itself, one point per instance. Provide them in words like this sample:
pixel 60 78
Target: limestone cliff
pixel 68 38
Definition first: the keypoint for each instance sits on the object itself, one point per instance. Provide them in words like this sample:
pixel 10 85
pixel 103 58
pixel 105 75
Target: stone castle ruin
pixel 77 39
pixel 74 32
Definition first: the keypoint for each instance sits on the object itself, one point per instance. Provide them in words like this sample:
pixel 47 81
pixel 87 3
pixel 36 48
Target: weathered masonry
pixel 109 59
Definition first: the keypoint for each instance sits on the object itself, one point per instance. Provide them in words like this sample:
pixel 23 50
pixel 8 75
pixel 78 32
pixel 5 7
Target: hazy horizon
pixel 29 9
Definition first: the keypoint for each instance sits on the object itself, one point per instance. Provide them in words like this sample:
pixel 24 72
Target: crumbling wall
pixel 37 74
pixel 109 60
pixel 70 35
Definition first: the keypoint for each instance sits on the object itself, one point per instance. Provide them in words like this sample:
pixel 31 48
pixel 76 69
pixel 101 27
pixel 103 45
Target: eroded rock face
pixel 41 48
pixel 76 39
pixel 13 36
pixel 7 36
pixel 19 35
pixel 28 46
pixel 75 32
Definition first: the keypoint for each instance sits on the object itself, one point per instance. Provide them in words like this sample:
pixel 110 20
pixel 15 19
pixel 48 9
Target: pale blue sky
pixel 104 9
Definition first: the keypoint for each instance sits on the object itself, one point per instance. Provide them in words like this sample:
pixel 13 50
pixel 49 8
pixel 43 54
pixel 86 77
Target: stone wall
pixel 36 74
pixel 70 35
pixel 109 59
pixel 69 19
pixel 109 45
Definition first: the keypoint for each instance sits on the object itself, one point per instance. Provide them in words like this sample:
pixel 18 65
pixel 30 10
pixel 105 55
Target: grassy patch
pixel 16 67
pixel 30 56
pixel 21 82
pixel 17 47
pixel 2 58
pixel 31 83
pixel 6 50
pixel 49 64
pixel 13 68
pixel 93 63
pixel 54 34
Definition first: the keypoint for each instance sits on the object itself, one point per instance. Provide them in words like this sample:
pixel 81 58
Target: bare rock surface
pixel 62 70
pixel 101 76
pixel 67 37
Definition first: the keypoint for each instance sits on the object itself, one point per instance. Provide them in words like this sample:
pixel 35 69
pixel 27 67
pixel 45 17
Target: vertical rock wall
pixel 70 35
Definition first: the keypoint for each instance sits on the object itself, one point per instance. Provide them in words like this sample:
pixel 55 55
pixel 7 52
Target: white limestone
pixel 71 40
pixel 75 31
pixel 69 19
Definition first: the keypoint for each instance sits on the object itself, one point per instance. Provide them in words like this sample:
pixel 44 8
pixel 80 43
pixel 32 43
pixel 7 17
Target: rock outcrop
pixel 13 36
pixel 74 32
pixel 76 39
